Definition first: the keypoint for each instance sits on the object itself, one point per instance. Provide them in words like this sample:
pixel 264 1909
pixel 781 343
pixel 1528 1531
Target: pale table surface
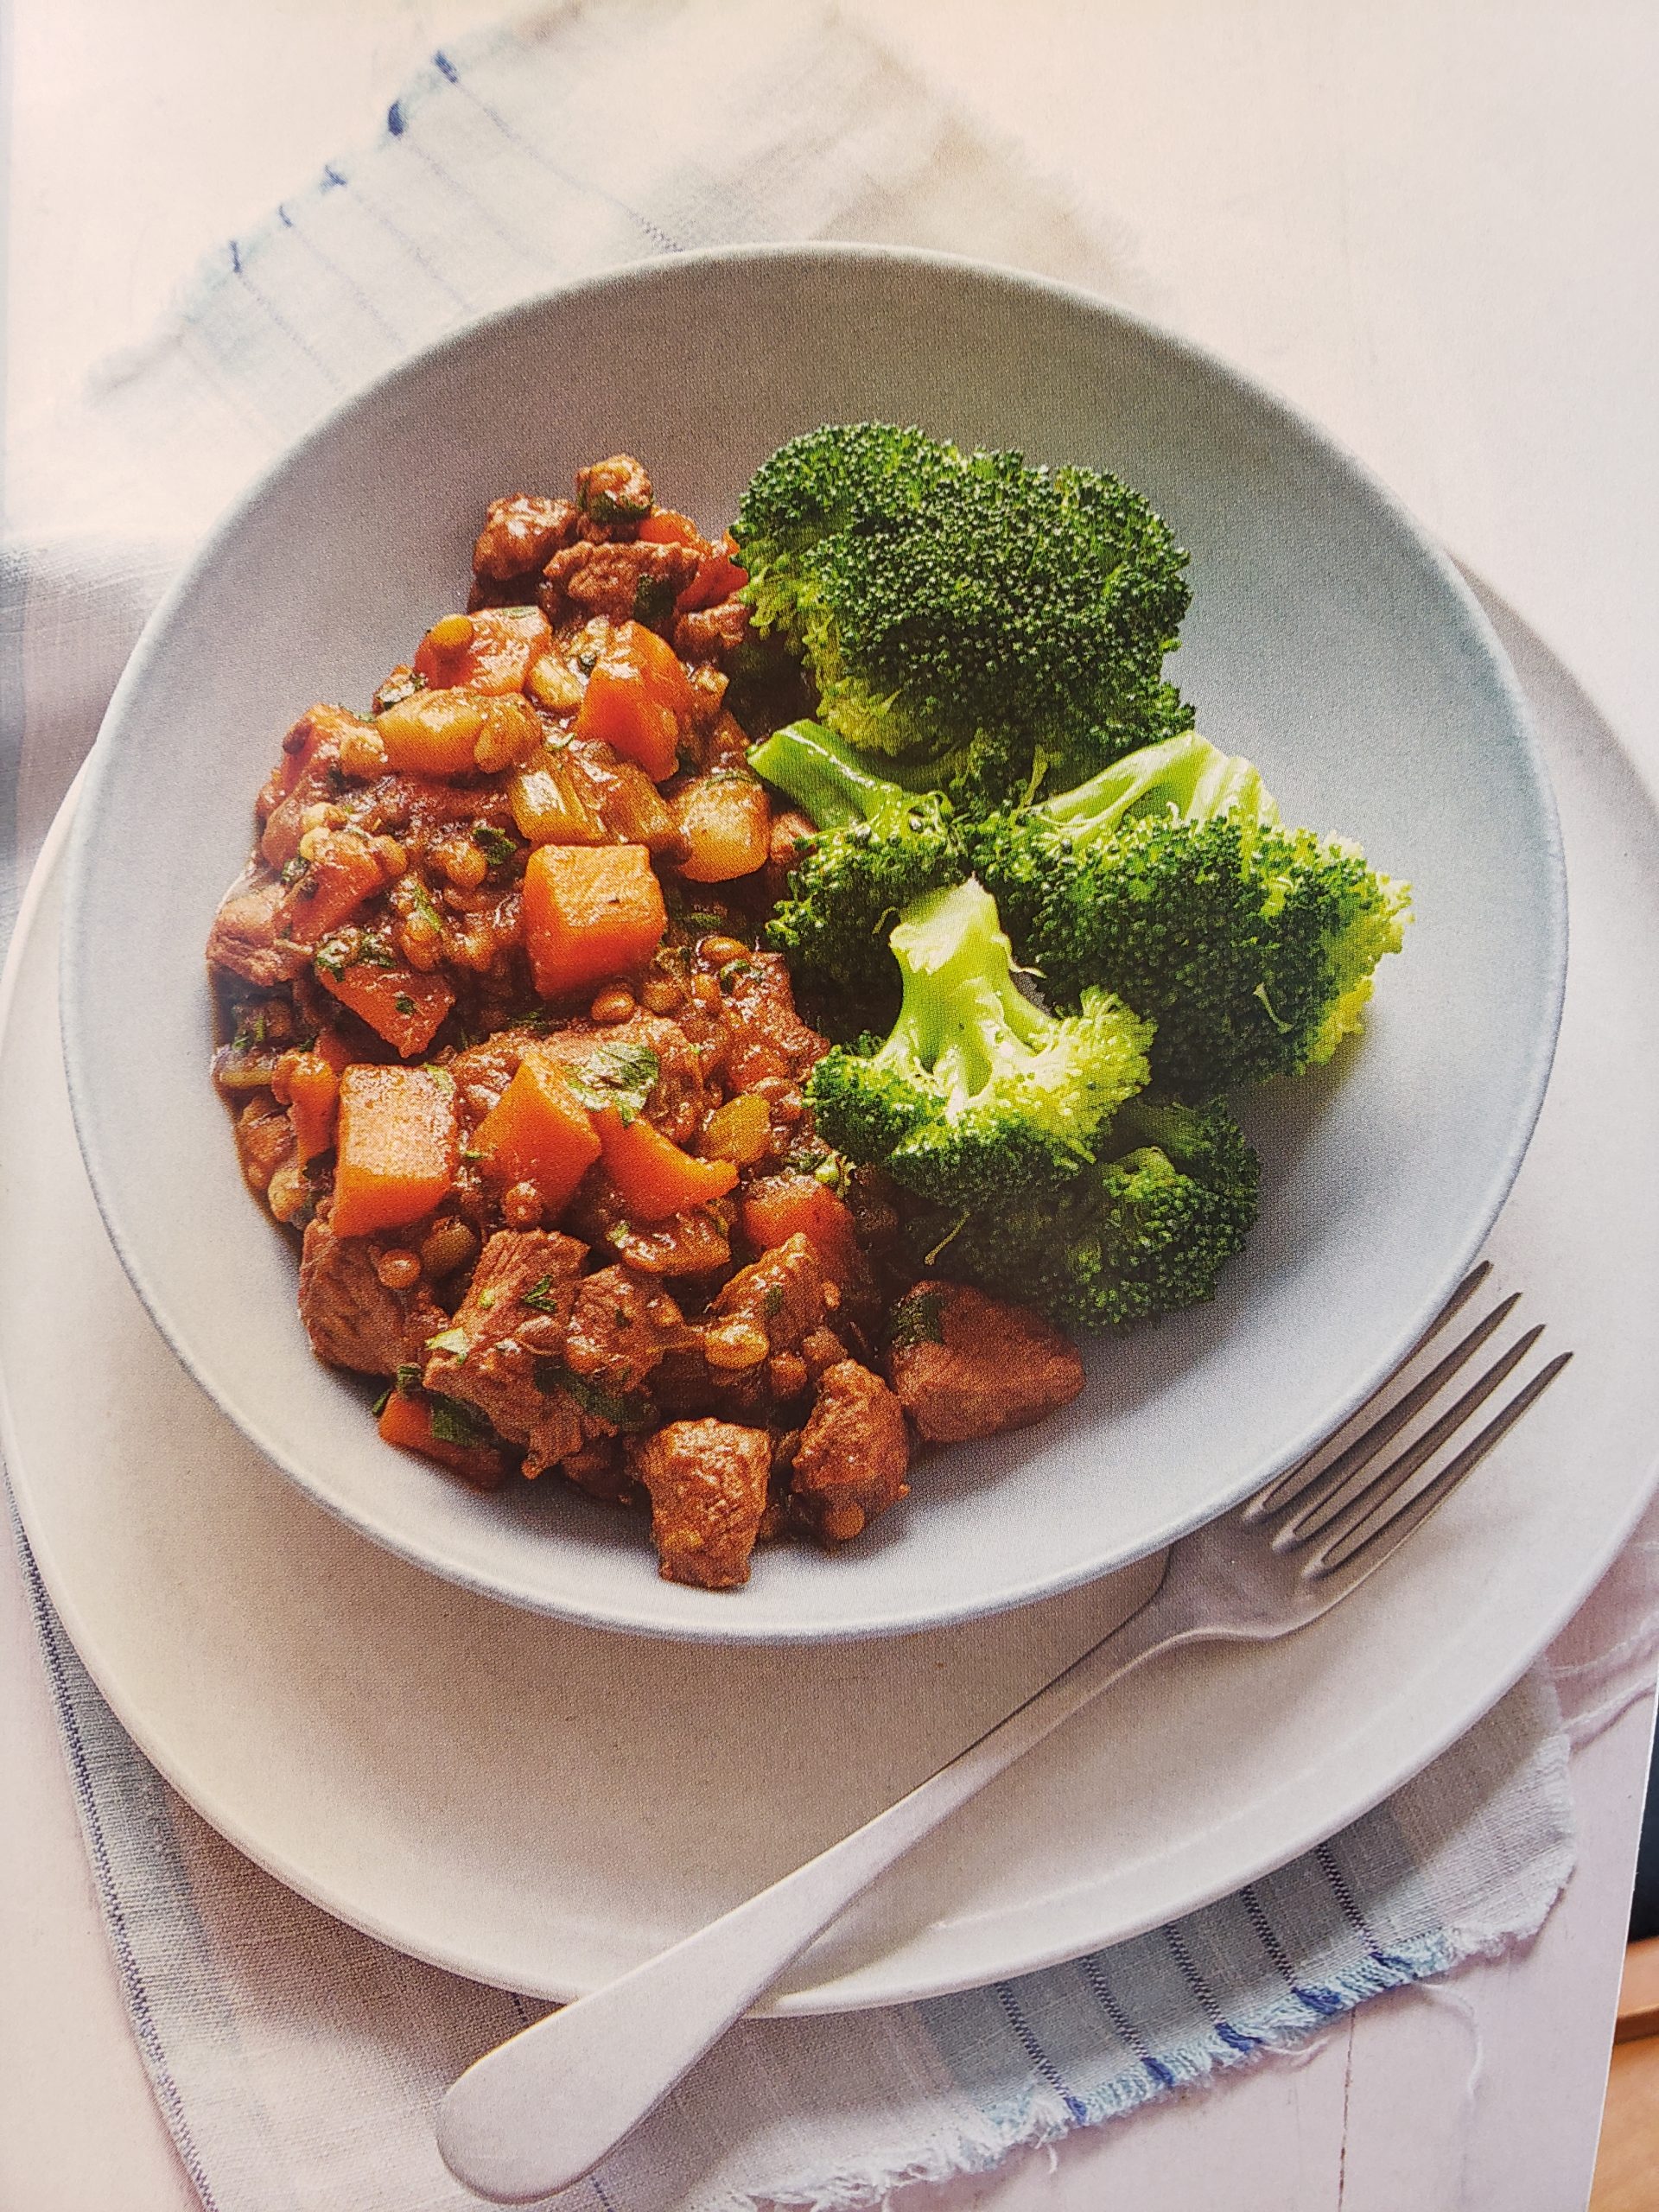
pixel 1430 225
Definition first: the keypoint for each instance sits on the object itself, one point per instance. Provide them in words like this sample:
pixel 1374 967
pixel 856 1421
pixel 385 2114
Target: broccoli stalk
pixel 878 848
pixel 1146 1231
pixel 1170 878
pixel 977 1093
pixel 982 623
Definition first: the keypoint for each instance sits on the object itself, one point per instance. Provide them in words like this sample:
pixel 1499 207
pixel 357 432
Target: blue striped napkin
pixel 296 2062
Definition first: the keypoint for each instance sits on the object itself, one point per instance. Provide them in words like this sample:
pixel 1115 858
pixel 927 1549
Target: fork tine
pixel 1327 1477
pixel 1348 1504
pixel 1361 1547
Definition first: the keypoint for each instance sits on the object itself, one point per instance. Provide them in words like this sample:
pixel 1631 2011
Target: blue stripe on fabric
pixel 333 180
pixel 525 251
pixel 280 323
pixel 1094 1974
pixel 1234 2037
pixel 395 118
pixel 347 282
pixel 137 1993
pixel 1047 2070
pixel 605 2204
pixel 1322 2001
pixel 658 236
pixel 1325 1860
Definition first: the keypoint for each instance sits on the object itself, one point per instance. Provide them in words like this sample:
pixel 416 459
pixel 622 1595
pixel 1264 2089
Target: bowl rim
pixel 1478 638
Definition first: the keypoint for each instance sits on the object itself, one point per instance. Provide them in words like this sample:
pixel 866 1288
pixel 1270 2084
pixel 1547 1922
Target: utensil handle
pixel 541 2110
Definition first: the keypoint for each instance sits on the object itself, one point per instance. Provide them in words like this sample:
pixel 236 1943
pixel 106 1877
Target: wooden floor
pixel 1627 2164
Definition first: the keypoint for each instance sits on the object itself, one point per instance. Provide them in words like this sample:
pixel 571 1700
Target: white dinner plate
pixel 540 1805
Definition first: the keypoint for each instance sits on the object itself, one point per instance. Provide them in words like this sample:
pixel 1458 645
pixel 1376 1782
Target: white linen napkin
pixel 297 2064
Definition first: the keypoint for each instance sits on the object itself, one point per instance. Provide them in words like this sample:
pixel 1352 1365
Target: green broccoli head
pixel 878 849
pixel 977 1092
pixel 1170 878
pixel 1146 1231
pixel 970 617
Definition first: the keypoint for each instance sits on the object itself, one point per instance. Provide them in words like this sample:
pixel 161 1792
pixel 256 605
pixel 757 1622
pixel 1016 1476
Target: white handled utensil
pixel 543 2110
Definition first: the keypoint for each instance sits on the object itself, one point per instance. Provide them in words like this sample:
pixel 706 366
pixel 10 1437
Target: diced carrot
pixel 312 1095
pixel 397 1003
pixel 538 1131
pixel 432 733
pixel 590 912
pixel 718 576
pixel 664 526
pixel 406 1420
pixel 617 708
pixel 659 664
pixel 396 1148
pixel 638 699
pixel 490 650
pixel 344 872
pixel 654 1179
pixel 726 821
pixel 783 1206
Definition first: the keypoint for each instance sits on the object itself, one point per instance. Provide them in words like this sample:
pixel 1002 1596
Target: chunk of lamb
pixel 707 1483
pixel 621 1325
pixel 759 1326
pixel 712 633
pixel 966 1365
pixel 854 1453
pixel 622 582
pixel 614 493
pixel 309 776
pixel 350 1317
pixel 516 1309
pixel 520 535
pixel 244 937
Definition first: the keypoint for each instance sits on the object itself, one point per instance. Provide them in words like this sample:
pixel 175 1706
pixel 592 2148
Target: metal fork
pixel 541 2110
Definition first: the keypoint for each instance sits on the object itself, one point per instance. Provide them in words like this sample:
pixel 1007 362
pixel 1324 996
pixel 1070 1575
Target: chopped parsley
pixel 454 1423
pixel 451 1340
pixel 542 1295
pixel 621 1408
pixel 294 869
pixel 335 954
pixel 402 684
pixel 423 905
pixel 773 1303
pixel 619 1074
pixel 496 846
pixel 653 600
pixel 403 1002
pixel 409 1379
pixel 916 1319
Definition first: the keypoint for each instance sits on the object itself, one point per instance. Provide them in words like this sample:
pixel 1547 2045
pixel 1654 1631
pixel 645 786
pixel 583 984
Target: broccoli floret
pixel 878 849
pixel 1146 1230
pixel 1171 879
pixel 978 620
pixel 978 1093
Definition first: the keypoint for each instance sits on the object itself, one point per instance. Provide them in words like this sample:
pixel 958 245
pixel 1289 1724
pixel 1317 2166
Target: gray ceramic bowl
pixel 1326 638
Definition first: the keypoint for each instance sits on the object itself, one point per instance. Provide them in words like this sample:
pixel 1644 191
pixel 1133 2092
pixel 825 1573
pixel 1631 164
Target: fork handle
pixel 541 2110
